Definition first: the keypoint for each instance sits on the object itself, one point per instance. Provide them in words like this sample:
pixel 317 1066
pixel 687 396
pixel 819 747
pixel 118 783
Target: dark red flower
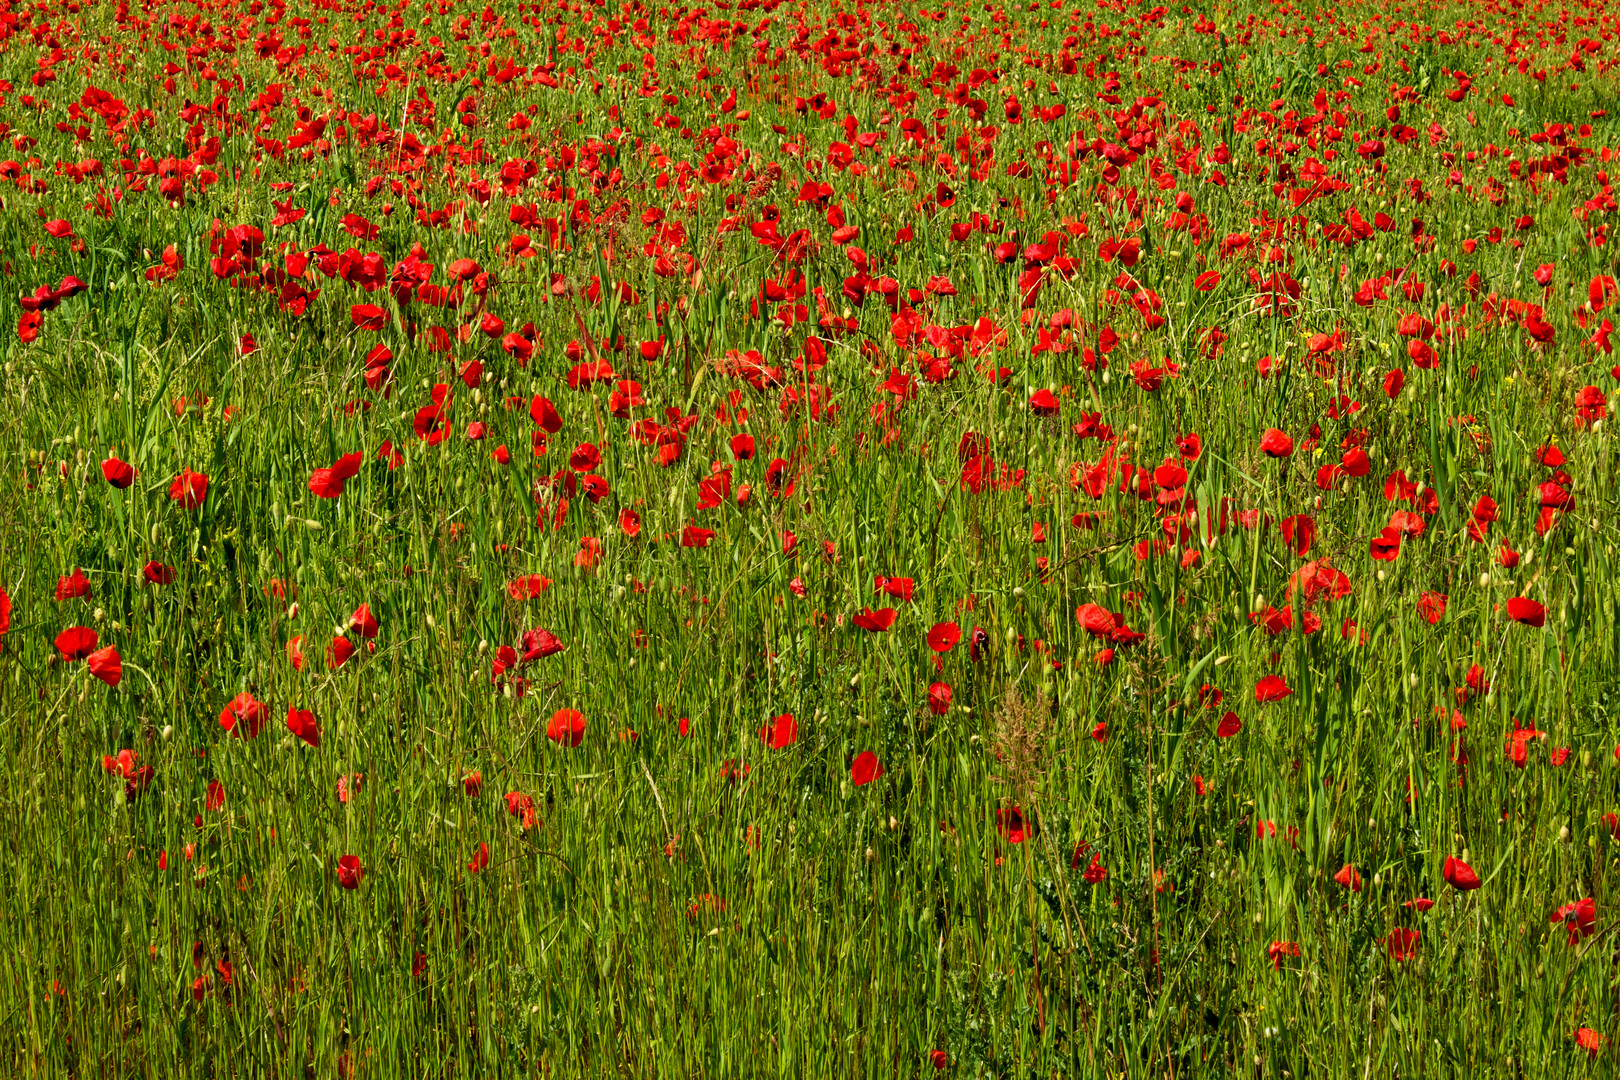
pixel 781 732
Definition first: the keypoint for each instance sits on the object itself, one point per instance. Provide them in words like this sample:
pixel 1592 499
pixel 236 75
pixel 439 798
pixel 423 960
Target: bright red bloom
pixel 106 665
pixel 781 732
pixel 76 643
pixel 527 587
pixel 1459 875
pixel 944 636
pixel 1524 610
pixel 189 489
pixel 875 621
pixel 567 727
pixel 119 474
pixel 301 722
pixel 243 716
pixel 1276 444
pixel 1229 726
pixel 865 769
pixel 1349 877
pixel 939 698
pixel 1271 688
pixel 1579 917
pixel 349 871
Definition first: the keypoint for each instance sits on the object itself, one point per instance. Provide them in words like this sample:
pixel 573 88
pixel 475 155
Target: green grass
pixel 689 900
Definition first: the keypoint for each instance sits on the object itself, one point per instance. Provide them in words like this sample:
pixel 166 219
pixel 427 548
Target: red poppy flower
pixel 157 573
pixel 480 859
pixel 1229 726
pixel 119 474
pixel 1207 281
pixel 1579 917
pixel 301 722
pixel 1386 546
pixel 72 587
pixel 368 317
pixel 1349 877
pixel 243 717
pixel 1276 444
pixel 527 587
pixel 939 698
pixel 1459 875
pixel 567 727
pixel 76 643
pixel 338 653
pixel 694 537
pixel 944 636
pixel 780 732
pixel 189 489
pixel 865 769
pixel 1589 1040
pixel 106 665
pixel 875 621
pixel 1432 606
pixel 295 652
pixel 1096 620
pixel 1524 610
pixel 1279 949
pixel 349 871
pixel 5 611
pixel 1298 532
pixel 1402 944
pixel 1010 824
pixel 1271 688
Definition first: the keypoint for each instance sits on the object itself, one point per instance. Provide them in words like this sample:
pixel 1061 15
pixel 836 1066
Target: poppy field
pixel 822 539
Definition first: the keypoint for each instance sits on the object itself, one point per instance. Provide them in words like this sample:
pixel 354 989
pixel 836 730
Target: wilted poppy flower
pixel 865 769
pixel 1579 917
pixel 119 474
pixel 1271 688
pixel 1276 444
pixel 301 722
pixel 243 716
pixel 1349 877
pixel 780 732
pixel 944 636
pixel 189 489
pixel 875 621
pixel 1459 875
pixel 76 643
pixel 567 727
pixel 349 871
pixel 1524 610
pixel 106 665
